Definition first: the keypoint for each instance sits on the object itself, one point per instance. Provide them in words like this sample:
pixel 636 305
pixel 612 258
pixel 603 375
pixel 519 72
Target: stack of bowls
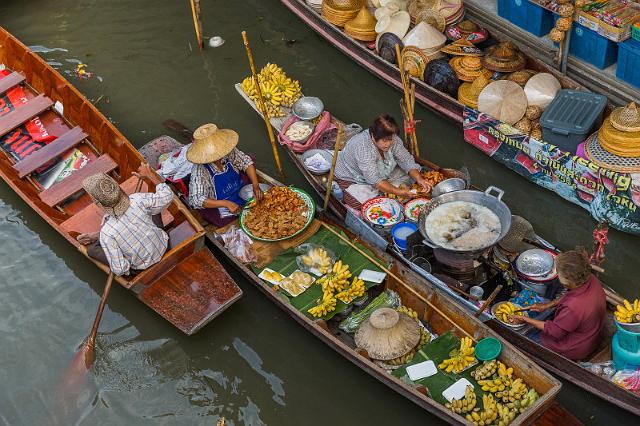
pixel 339 12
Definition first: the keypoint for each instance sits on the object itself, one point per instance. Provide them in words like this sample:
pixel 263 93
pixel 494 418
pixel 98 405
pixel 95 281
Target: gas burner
pixel 463 267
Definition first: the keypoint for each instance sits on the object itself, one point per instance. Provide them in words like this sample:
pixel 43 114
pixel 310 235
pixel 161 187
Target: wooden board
pixel 72 184
pixel 10 81
pixel 50 151
pixel 199 286
pixel 24 112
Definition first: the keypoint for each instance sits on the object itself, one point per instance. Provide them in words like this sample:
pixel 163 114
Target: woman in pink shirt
pixel 574 331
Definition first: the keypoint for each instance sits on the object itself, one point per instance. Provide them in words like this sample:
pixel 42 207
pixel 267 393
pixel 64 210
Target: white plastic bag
pixel 239 244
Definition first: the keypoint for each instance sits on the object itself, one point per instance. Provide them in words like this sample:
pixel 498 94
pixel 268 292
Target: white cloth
pixel 364 193
pixel 176 167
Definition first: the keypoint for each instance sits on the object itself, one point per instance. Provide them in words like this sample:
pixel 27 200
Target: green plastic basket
pixel 488 348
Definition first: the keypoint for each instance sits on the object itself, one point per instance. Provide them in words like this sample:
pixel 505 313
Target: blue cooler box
pixel 629 62
pixel 591 47
pixel 526 15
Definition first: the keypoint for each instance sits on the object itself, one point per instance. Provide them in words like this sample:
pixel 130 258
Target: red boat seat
pixel 9 82
pixel 25 112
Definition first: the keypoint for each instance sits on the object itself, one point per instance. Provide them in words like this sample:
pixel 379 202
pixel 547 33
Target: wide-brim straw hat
pixel 425 37
pixel 541 89
pixel 622 144
pixel 362 27
pixel 386 45
pixel 398 24
pixel 603 158
pixel 504 100
pixel 468 92
pixel 388 334
pixel 504 57
pixel 414 61
pixel 211 144
pixel 626 119
pixel 467 30
pixel 462 47
pixel 107 194
pixel 468 68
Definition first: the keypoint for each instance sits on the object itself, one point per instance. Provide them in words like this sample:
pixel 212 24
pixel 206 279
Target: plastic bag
pixel 386 299
pixel 602 369
pixel 239 244
pixel 315 259
pixel 628 379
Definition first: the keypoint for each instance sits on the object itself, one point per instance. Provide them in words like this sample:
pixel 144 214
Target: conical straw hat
pixel 468 92
pixel 504 100
pixel 505 57
pixel 425 37
pixel 398 24
pixel 626 119
pixel 211 144
pixel 362 27
pixel 388 334
pixel 541 89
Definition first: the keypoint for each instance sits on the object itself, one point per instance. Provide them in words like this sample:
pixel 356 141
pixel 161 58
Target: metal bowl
pixel 310 153
pixel 308 108
pixel 493 203
pixel 513 326
pixel 633 327
pixel 535 263
pixel 448 185
pixel 246 192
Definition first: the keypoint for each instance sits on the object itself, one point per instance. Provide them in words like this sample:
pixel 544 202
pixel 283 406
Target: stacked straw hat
pixel 339 12
pixel 620 132
pixel 504 57
pixel 388 334
pixel 467 68
pixel 362 27
pixel 426 38
pixel 462 47
pixel 468 92
pixel 450 10
pixel 467 30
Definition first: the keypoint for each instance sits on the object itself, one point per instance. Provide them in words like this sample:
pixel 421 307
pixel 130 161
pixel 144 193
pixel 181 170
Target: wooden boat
pixel 559 365
pixel 434 306
pixel 188 287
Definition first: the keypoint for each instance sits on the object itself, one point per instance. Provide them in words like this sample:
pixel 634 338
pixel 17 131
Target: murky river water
pixel 252 365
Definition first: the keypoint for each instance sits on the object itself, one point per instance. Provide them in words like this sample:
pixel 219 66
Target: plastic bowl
pixel 398 229
pixel 488 348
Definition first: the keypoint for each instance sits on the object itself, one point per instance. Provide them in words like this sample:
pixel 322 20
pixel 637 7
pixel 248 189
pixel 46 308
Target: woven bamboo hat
pixel 468 92
pixel 626 119
pixel 541 89
pixel 362 27
pixel 467 68
pixel 211 144
pixel 462 47
pixel 617 142
pixel 388 334
pixel 107 194
pixel 467 30
pixel 504 57
pixel 603 158
pixel 504 100
pixel 425 37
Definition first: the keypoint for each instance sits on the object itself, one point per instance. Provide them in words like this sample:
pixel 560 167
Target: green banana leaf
pixel 285 264
pixel 437 351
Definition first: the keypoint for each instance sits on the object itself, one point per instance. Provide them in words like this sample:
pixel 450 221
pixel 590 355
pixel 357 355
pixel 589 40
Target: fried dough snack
pixel 280 214
pixel 433 178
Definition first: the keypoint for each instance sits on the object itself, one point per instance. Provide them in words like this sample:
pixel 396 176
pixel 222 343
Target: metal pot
pixel 493 203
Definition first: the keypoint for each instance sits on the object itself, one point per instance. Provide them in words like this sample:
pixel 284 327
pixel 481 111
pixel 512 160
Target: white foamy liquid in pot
pixel 461 225
pixel 403 233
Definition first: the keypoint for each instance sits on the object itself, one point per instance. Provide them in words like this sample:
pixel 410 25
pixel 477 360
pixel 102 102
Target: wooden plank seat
pixel 24 112
pixel 10 81
pixel 50 151
pixel 89 219
pixel 72 184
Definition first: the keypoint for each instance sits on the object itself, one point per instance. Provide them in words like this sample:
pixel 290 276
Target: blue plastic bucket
pixel 401 231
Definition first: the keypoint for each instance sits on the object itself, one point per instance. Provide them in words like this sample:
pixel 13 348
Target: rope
pixel 600 240
pixel 410 126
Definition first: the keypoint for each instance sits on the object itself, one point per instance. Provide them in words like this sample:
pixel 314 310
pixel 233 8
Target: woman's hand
pixel 426 186
pixel 539 307
pixel 232 207
pixel 407 193
pixel 517 319
pixel 257 193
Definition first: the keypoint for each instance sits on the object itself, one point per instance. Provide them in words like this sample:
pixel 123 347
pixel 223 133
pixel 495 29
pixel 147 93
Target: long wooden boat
pixel 559 365
pixel 550 168
pixel 434 307
pixel 188 287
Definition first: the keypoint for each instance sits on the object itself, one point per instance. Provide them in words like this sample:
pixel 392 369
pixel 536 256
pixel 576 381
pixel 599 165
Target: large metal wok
pixel 486 199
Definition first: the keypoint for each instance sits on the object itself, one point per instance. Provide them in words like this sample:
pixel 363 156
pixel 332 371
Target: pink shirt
pixel 574 332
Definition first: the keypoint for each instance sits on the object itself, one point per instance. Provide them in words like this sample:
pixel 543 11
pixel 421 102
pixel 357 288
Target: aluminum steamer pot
pixel 486 199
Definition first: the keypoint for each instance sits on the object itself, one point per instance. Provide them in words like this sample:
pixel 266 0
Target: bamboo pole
pixel 409 98
pixel 197 22
pixel 261 105
pixel 334 160
pixel 397 278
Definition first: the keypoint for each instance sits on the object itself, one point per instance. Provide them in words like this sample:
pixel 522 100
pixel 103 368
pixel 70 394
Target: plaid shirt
pixel 133 241
pixel 201 187
pixel 359 159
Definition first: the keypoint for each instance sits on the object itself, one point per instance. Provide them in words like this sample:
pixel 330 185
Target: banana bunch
pixel 486 370
pixel 406 310
pixel 277 89
pixel 528 400
pixel 425 337
pixel 487 415
pixel 464 405
pixel 506 309
pixel 328 304
pixel 270 70
pixel 290 88
pixel 461 358
pixel 317 258
pixel 628 312
pixel 355 290
pixel 504 373
pixel 492 385
pixel 337 279
pixel 515 392
pixel 505 415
